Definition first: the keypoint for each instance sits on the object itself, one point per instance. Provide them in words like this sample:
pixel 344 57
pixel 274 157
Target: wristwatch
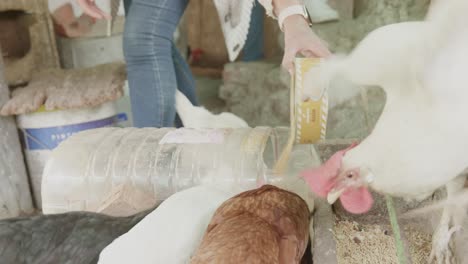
pixel 293 10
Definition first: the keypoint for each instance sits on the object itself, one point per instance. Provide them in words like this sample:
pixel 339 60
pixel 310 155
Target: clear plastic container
pixel 85 171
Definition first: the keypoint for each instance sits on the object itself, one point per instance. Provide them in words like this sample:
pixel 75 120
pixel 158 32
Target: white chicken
pixel 419 142
pixel 198 117
pixel 171 232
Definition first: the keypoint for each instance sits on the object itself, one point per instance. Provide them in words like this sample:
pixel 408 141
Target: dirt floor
pixel 373 243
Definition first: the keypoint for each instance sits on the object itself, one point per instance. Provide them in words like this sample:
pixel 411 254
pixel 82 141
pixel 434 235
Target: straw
pixel 396 230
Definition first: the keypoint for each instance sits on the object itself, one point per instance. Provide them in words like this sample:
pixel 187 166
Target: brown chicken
pixel 266 225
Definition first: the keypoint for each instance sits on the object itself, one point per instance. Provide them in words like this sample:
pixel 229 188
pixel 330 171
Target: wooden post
pixel 15 195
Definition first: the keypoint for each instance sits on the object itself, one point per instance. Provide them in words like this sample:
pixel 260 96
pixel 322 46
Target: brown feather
pixel 265 225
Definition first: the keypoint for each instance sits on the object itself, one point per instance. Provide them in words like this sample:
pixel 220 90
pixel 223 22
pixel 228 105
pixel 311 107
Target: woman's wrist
pixel 294 21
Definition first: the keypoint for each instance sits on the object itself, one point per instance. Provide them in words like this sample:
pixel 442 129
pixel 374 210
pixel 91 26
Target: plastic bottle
pixel 120 171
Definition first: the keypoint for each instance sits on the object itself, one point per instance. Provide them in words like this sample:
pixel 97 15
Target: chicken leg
pixel 450 222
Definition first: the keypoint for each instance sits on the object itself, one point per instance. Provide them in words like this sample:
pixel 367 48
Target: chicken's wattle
pixel 357 200
pixel 323 179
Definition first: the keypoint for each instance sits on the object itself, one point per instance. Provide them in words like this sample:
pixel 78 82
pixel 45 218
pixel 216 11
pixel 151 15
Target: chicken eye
pixel 350 175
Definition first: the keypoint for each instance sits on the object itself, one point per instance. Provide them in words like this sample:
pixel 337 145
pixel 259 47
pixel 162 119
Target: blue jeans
pixel 155 67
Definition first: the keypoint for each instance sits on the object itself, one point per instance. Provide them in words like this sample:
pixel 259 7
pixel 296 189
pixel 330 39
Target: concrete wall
pixel 15 196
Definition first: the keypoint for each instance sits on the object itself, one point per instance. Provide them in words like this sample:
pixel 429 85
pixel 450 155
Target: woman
pixel 154 66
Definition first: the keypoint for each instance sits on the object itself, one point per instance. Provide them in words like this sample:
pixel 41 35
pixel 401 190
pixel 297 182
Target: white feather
pixel 198 117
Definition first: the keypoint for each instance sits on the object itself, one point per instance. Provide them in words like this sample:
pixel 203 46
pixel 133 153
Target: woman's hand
pixel 91 9
pixel 300 38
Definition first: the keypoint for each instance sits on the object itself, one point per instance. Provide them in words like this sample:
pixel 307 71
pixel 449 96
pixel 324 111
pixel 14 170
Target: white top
pixel 234 17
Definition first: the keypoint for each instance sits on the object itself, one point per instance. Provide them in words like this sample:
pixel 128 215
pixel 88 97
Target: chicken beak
pixel 334 194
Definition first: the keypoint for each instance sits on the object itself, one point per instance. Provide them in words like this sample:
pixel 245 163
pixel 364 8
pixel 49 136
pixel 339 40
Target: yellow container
pixel 310 115
pixel 308 118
